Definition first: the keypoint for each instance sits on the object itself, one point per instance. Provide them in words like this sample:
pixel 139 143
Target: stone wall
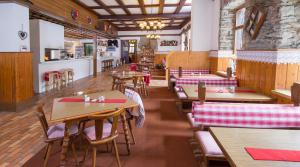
pixel 227 23
pixel 281 29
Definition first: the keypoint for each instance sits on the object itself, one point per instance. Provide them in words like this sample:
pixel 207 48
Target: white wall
pixel 43 35
pixel 12 17
pixel 205 22
pixel 135 35
pixel 51 36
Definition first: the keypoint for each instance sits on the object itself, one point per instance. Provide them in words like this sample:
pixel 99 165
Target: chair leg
pixel 94 156
pixel 116 152
pixel 131 132
pixel 85 154
pixel 46 151
pixel 74 154
pixel 48 154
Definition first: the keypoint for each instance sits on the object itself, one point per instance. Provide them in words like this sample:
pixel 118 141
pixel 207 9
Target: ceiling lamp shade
pixel 153 36
pixel 151 25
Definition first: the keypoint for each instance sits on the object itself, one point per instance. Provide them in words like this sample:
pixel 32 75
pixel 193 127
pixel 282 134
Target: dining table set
pixel 239 125
pixel 71 112
pixel 131 79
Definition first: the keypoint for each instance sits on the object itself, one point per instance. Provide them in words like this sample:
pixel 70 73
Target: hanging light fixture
pixel 152 25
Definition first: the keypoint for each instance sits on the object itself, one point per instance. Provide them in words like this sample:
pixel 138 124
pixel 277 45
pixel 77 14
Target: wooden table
pixel 191 92
pixel 73 112
pixel 233 141
pixel 127 74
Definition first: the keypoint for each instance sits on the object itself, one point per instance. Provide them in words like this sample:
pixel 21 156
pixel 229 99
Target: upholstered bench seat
pixel 210 147
pixel 181 95
pixel 191 120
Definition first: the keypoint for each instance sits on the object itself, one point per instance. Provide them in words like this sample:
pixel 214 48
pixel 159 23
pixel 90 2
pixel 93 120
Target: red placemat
pixel 273 154
pixel 82 100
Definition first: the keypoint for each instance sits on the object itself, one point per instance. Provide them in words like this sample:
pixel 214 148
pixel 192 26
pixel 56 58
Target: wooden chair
pixel 117 84
pixel 103 133
pixel 54 133
pixel 137 85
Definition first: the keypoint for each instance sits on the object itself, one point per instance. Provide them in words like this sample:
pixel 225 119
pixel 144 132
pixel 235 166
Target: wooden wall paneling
pixel 281 72
pixel 6 81
pixel 198 60
pixel 256 72
pixel 269 78
pixel 262 79
pixel 187 60
pixel 64 8
pixel 291 75
pixel 16 79
pixel 23 77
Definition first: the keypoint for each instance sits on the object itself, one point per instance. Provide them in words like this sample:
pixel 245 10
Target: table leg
pixel 125 128
pixel 65 145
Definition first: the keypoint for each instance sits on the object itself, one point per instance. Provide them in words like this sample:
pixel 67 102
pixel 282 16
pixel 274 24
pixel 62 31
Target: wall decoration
pixel 255 21
pixel 169 43
pixel 89 20
pixel 74 14
pixel 22 34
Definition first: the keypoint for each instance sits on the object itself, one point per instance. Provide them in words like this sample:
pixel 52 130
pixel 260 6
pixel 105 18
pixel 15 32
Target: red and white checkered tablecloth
pixel 246 115
pixel 209 81
pixel 176 71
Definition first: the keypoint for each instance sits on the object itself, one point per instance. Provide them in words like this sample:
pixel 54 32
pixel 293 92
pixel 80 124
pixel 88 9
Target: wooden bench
pixel 232 115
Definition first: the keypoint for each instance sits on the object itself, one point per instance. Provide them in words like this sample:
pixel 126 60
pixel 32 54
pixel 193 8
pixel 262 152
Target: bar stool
pixel 52 79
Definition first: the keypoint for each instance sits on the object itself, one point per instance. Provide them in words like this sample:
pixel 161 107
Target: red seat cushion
pixel 209 144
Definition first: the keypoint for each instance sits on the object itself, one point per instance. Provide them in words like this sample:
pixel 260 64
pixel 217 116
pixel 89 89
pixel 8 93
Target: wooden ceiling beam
pixel 105 7
pixel 138 6
pixel 187 20
pixel 142 6
pixel 180 5
pixel 122 5
pixel 161 6
pixel 141 16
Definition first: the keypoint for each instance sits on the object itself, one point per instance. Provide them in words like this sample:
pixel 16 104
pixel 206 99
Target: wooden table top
pixel 192 93
pixel 233 141
pixel 128 74
pixel 63 111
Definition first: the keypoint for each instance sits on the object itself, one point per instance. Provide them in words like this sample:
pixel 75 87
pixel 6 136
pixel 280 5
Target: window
pixel 239 29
